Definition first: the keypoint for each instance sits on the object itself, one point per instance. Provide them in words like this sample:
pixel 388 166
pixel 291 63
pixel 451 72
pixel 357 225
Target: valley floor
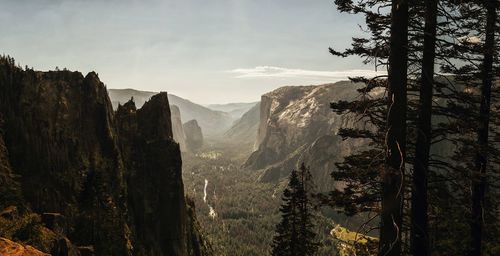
pixel 238 213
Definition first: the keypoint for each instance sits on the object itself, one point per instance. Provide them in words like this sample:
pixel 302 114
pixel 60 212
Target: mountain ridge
pixel 213 123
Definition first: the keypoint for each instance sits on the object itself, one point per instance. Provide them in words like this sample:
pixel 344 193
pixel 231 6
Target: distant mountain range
pixel 290 125
pixel 236 110
pixel 213 123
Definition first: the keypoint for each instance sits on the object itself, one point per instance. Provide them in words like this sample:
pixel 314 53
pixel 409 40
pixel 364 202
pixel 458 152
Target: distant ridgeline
pixel 77 178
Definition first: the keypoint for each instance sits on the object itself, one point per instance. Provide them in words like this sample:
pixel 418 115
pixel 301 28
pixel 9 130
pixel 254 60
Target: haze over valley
pixel 249 128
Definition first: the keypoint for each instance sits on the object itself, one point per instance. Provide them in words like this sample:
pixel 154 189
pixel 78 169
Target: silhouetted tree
pixel 295 233
pixel 447 102
pixel 481 161
pixel 419 203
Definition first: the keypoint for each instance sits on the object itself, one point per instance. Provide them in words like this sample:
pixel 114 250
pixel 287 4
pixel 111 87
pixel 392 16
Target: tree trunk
pixel 419 236
pixel 392 178
pixel 479 175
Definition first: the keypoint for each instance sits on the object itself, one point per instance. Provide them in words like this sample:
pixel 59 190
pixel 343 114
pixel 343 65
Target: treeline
pixel 429 177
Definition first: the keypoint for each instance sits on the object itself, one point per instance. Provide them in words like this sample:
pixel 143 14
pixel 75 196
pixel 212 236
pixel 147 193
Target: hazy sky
pixel 209 51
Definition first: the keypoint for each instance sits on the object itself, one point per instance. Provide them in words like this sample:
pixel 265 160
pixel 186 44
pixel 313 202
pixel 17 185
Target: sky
pixel 208 51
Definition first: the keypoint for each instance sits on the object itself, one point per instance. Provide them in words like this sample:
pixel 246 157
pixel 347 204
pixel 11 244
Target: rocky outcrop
pixel 213 123
pixel 111 184
pixel 10 248
pixel 297 125
pixel 177 129
pixel 154 176
pixel 194 135
pixel 59 132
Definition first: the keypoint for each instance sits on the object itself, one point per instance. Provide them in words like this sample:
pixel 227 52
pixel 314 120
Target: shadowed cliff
pixel 115 182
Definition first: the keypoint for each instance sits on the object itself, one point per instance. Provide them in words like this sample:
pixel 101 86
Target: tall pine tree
pixel 295 234
pixel 419 202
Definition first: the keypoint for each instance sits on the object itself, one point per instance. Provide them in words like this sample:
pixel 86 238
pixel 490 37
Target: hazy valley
pixel 249 128
pixel 236 180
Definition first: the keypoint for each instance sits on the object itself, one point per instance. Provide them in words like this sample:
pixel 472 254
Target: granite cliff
pixel 87 180
pixel 194 135
pixel 297 125
pixel 177 129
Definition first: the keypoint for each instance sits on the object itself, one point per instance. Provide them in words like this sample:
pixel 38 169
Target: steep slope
pixel 244 130
pixel 213 123
pixel 10 189
pixel 10 248
pixel 235 110
pixel 177 130
pixel 194 135
pixel 155 189
pixel 297 124
pixel 60 137
pixel 112 184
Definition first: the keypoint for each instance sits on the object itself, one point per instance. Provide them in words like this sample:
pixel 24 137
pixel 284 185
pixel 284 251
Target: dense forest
pixel 406 162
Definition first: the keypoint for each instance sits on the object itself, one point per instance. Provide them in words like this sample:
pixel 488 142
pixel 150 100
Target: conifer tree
pixel 419 202
pixel 481 161
pixel 295 234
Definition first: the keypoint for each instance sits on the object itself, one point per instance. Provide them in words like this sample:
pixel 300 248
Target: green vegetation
pixel 353 243
pixel 246 211
pixel 295 234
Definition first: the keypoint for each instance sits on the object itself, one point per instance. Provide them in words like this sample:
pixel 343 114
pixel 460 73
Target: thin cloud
pixel 279 72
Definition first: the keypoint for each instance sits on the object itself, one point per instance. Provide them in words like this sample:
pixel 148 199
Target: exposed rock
pixel 177 128
pixel 194 135
pixel 59 132
pixel 100 181
pixel 214 123
pixel 154 177
pixel 10 248
pixel 297 124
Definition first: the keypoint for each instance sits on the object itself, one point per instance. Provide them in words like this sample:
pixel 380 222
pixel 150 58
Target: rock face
pixel 194 135
pixel 213 123
pixel 60 137
pixel 297 125
pixel 10 189
pixel 154 177
pixel 177 129
pixel 10 248
pixel 114 180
